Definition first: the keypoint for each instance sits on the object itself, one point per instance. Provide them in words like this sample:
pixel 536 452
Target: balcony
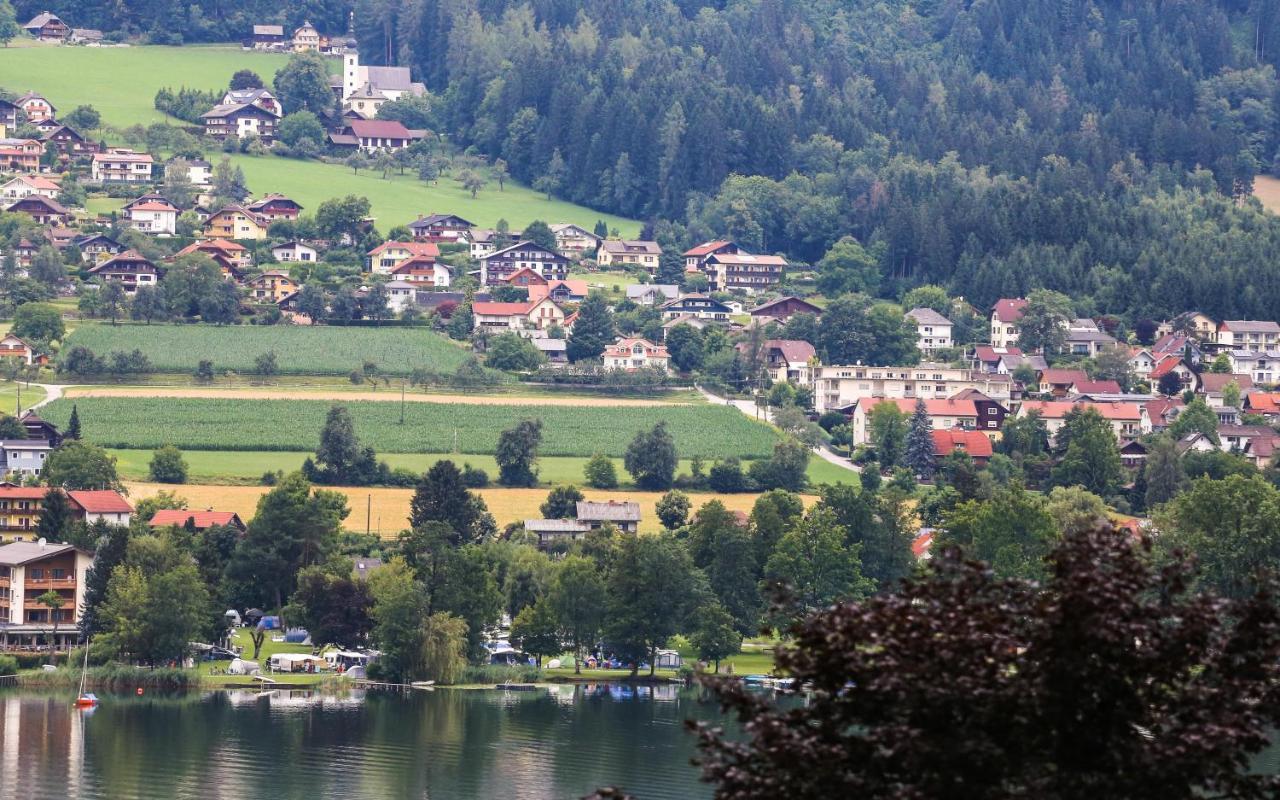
pixel 45 584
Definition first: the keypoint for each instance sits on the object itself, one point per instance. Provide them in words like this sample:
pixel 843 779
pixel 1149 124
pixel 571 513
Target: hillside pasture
pixel 319 350
pixel 204 424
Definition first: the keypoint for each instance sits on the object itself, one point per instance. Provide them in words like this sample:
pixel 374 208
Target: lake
pixel 556 742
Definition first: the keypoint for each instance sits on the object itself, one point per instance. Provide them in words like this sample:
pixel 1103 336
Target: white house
pixel 400 295
pixel 199 172
pixel 634 353
pixel 101 505
pixel 517 317
pixel 574 240
pixel 157 217
pixel 23 458
pixel 1005 315
pixel 932 329
pixel 294 251
pixel 1127 420
pixel 26 185
pixel 1249 334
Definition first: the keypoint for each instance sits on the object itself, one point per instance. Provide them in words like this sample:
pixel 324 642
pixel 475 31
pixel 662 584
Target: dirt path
pixel 389 395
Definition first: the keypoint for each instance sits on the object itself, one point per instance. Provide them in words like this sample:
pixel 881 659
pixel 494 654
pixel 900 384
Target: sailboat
pixel 85 699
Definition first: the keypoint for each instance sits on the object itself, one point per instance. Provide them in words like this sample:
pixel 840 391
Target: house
pixel 1188 378
pixel 1005 315
pixel 629 252
pixel 1213 385
pixel 123 166
pixel 1096 388
pixel 787 360
pixel 46 27
pixel 306 38
pixel 751 273
pixel 943 414
pixel 442 228
pixel 13 347
pixel 236 222
pixel 783 309
pixel 1133 454
pixel 8 115
pixel 365 101
pixel 374 135
pixel 384 258
pixel 38 428
pixel 633 353
pixel 652 294
pixel 1085 338
pixel 1248 334
pixel 1162 411
pixel 933 331
pixel 400 295
pixel 43 210
pixel 552 532
pixel 1262 366
pixel 1060 382
pixel 991 412
pixel 271 286
pixel 30 569
pixel 1178 344
pixel 263 98
pixel 240 121
pixel 20 508
pixel 483 241
pixel 1004 360
pixel 556 350
pixel 97 247
pixel 516 317
pixel 1200 326
pixel 23 458
pixel 274 207
pixel 1265 404
pixel 129 269
pixel 974 443
pixel 498 265
pixel 156 216
pixel 294 251
pixel 60 236
pixel 20 155
pixel 423 271
pixel 695 257
pixel 698 306
pixel 68 142
pixel 839 386
pixel 623 515
pixel 560 291
pixel 574 240
pixel 198 171
pixel 37 107
pixel 1142 361
pixel 24 186
pixel 200 520
pixel 233 258
pixel 266 37
pixel 1128 420
pixel 103 505
pixel 91 37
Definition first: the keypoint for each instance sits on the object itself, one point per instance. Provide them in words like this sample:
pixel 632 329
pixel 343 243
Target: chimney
pixel 41 541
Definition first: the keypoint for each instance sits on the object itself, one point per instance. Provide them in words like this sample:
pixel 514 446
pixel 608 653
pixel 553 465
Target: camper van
pixel 297 662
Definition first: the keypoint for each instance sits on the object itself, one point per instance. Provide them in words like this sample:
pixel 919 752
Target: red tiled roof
pixel 501 309
pixel 1059 409
pixel 153 206
pixel 1217 381
pixel 576 288
pixel 1064 377
pixel 1098 387
pixel 1165 365
pixel 202 519
pixel 975 443
pixel 1160 407
pixel 9 491
pixel 1009 309
pixel 378 128
pixel 1170 343
pixel 705 248
pixel 415 249
pixel 100 501
pixel 922 543
pixel 623 347
pixel 1262 402
pixel 934 408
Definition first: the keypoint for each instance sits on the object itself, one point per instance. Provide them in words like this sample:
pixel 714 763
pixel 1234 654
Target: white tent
pixel 296 662
pixel 241 667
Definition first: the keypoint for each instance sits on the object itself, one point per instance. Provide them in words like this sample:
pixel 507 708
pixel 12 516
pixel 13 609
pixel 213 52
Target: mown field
pixel 121 82
pixel 299 350
pixel 247 467
pixel 200 424
pixel 386 511
pixel 10 392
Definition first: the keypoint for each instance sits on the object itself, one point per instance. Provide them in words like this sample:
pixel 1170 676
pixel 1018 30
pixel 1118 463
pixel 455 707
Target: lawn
pixel 224 424
pixel 611 282
pixel 121 82
pixel 241 467
pixel 399 199
pixel 386 511
pixel 321 350
pixel 9 392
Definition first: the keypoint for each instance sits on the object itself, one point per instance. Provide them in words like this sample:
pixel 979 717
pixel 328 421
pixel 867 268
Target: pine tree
pixel 73 424
pixel 919 455
pixel 592 331
pixel 55 515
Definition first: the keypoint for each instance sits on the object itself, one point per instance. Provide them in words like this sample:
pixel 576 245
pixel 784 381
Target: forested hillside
pixel 987 145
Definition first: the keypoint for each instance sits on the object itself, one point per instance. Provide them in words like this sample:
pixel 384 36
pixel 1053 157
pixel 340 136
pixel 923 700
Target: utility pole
pixel 368 513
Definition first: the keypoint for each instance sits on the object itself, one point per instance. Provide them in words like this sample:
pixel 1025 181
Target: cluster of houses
pixel 49 27
pixel 589 515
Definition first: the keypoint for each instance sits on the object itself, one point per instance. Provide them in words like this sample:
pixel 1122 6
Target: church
pixel 362 90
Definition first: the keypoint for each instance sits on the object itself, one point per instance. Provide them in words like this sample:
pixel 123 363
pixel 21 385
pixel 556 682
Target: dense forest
pixel 1098 148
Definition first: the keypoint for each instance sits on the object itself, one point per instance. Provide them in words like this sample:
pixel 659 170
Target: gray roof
pixel 17 553
pixel 555 526
pixel 548 345
pixel 228 109
pixel 25 444
pixel 611 511
pixel 395 79
pixel 364 566
pixel 624 246
pixel 927 316
pixel 1077 335
pixel 268 30
pixel 667 290
pixel 42 19
pixel 1251 326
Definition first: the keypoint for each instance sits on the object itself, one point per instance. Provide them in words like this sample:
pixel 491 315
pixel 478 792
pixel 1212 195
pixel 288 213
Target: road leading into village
pixel 762 413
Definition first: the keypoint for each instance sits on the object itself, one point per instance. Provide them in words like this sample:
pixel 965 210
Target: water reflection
pixel 553 743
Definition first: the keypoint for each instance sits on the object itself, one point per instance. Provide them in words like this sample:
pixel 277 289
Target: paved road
pixel 756 412
pixel 52 391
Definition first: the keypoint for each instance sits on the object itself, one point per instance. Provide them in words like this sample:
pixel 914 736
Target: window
pixel 991 423
pixel 36 573
pixel 59 574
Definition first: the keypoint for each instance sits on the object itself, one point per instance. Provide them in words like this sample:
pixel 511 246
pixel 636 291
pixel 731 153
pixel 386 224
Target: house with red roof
pixel 537 315
pixel 44 210
pixel 1097 387
pixel 153 214
pixel 121 165
pixel 1188 378
pixel 566 291
pixel 383 259
pixel 1128 420
pixel 1162 411
pixel 943 414
pixel 374 135
pixel 129 269
pixel 975 443
pixel 26 185
pixel 100 505
pixel 632 353
pixel 1059 382
pixel 232 257
pixel 13 347
pixel 20 155
pixel 236 222
pixel 200 520
pixel 783 309
pixel 695 258
pixel 275 206
pixel 1005 315
pixel 786 360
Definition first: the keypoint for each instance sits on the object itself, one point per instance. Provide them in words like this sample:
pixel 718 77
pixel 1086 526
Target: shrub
pixel 474 477
pixel 168 465
pixel 599 472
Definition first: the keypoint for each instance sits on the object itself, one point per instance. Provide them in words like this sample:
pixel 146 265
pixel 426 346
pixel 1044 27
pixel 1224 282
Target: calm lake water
pixel 553 743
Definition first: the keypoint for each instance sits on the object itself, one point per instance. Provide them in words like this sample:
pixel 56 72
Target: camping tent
pixel 241 667
pixel 296 662
pixel 269 623
pixel 297 636
pixel 668 659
